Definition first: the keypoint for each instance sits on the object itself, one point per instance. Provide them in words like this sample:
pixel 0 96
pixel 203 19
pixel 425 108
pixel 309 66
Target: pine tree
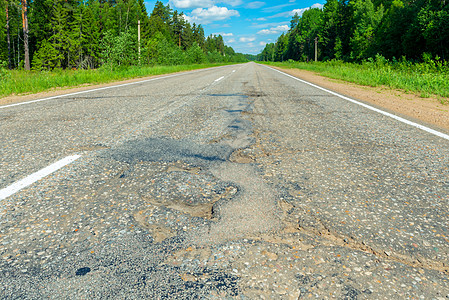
pixel 92 31
pixel 77 37
pixel 144 20
pixel 26 34
pixel 60 40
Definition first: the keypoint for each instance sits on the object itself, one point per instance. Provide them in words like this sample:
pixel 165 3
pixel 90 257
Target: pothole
pixel 253 211
pixel 203 210
pixel 186 188
pixel 240 156
pixel 180 198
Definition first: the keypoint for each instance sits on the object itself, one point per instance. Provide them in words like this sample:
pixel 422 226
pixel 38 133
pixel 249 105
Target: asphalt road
pixel 235 182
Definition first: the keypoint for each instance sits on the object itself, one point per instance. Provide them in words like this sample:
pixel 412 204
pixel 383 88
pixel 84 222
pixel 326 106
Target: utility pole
pixel 138 37
pixel 316 49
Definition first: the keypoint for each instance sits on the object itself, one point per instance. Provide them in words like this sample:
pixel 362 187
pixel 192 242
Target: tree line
pixel 356 30
pixel 67 34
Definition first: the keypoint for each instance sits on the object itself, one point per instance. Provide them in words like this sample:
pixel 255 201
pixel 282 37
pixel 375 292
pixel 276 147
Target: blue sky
pixel 246 26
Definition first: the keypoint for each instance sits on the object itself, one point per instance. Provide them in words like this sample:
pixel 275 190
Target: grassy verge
pixel 426 79
pixel 22 82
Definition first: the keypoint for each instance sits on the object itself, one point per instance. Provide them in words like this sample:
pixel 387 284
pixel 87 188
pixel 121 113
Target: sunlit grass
pixel 28 82
pixel 424 79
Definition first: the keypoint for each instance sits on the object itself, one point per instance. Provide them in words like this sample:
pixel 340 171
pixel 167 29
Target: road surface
pixel 236 182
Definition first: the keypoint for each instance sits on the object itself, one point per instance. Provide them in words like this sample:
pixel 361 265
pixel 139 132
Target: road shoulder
pixel 424 110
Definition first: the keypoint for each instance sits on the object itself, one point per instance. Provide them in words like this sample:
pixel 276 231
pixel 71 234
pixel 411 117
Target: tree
pixel 91 33
pixel 365 21
pixel 198 35
pixel 390 32
pixel 177 27
pixel 294 21
pixel 160 20
pixel 267 53
pixel 119 50
pixel 60 39
pixel 434 25
pixel 281 48
pixel 330 32
pixel 144 20
pixel 195 55
pixel 8 35
pixel 309 28
pixel 25 34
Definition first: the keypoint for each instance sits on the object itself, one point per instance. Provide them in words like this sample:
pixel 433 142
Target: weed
pixel 428 78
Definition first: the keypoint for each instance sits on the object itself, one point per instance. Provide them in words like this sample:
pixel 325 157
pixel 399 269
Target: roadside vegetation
pixel 401 44
pixel 64 43
pixel 356 30
pixel 427 78
pixel 17 82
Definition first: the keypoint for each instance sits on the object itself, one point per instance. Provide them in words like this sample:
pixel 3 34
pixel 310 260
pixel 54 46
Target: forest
pixel 359 30
pixel 88 34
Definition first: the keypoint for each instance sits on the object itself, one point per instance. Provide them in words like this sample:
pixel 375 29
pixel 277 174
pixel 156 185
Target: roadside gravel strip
pixel 236 182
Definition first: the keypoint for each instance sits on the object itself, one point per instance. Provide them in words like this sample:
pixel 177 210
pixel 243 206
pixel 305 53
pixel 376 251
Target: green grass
pixel 27 82
pixel 426 79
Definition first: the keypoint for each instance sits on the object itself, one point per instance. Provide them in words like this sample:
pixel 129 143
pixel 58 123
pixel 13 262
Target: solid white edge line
pixel 422 127
pixel 216 80
pixel 108 87
pixel 30 179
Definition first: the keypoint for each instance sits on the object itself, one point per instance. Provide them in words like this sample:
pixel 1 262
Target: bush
pixel 161 51
pixel 119 50
pixel 195 55
pixel 4 72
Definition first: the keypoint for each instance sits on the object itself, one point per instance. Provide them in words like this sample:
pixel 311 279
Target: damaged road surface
pixel 255 186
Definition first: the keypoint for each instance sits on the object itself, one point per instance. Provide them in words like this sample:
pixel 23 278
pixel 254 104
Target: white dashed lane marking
pixel 17 186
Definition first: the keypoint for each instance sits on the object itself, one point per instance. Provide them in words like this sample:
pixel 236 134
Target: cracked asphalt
pixel 254 186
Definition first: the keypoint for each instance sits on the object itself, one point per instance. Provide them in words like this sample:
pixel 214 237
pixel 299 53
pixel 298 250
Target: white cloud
pixel 255 4
pixel 231 41
pixel 223 34
pixel 261 19
pixel 208 15
pixel 302 10
pixel 298 11
pixel 274 30
pixel 262 44
pixel 247 39
pixel 271 24
pixel 191 3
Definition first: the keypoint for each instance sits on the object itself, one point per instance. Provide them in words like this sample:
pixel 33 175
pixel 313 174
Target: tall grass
pixel 428 78
pixel 17 82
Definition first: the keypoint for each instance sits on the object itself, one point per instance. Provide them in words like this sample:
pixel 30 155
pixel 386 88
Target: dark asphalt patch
pixel 169 150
